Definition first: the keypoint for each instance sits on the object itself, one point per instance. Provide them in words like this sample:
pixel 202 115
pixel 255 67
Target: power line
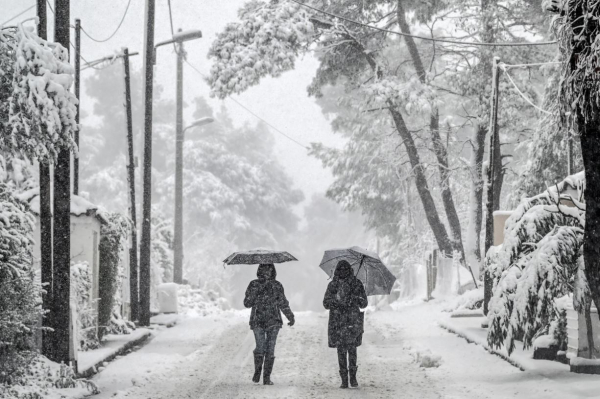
pixel 252 112
pixel 432 39
pixel 18 15
pixel 114 33
pixel 520 92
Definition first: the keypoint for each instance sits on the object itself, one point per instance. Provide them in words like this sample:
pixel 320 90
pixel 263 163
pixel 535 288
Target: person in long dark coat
pixel 344 298
pixel 267 299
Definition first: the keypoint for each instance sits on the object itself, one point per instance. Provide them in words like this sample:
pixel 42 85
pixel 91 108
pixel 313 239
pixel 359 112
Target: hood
pixel 266 269
pixel 343 270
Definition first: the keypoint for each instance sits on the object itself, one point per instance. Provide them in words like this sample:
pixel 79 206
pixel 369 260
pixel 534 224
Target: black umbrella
pixel 258 256
pixel 367 266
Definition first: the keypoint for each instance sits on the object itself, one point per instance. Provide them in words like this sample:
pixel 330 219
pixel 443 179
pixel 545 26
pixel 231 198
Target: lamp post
pixel 178 228
pixel 178 40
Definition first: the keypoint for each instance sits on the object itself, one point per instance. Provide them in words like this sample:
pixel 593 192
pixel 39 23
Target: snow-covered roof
pixel 79 205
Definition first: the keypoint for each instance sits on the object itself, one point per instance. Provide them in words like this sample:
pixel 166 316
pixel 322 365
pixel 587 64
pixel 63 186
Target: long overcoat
pixel 266 297
pixel 344 298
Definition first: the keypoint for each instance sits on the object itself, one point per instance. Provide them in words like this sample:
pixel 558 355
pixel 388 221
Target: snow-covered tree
pixel 41 107
pixel 540 260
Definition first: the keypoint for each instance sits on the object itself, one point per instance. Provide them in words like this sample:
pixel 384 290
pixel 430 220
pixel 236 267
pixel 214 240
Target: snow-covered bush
pixel 201 301
pixel 41 107
pixel 20 293
pixel 162 256
pixel 43 379
pixel 539 261
pixel 112 240
pixel 81 288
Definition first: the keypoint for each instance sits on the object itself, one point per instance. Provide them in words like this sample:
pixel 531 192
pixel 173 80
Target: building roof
pixel 79 205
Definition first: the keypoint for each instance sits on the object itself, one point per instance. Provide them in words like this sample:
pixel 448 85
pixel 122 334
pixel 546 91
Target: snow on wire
pixel 505 69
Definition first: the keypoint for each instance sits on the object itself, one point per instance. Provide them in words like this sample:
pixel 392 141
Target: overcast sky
pixel 283 102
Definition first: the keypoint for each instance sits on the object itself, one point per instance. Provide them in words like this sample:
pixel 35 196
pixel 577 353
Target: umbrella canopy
pixel 258 256
pixel 367 266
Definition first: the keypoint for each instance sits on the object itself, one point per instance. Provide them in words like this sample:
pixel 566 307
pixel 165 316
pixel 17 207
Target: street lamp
pixel 178 40
pixel 178 227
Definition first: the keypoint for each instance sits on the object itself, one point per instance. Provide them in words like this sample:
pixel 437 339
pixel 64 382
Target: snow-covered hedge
pixel 539 261
pixel 112 240
pixel 81 286
pixel 20 294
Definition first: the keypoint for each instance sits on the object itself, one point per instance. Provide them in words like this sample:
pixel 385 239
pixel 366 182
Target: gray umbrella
pixel 367 266
pixel 258 256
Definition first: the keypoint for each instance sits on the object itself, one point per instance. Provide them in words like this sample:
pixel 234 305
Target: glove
pixel 291 322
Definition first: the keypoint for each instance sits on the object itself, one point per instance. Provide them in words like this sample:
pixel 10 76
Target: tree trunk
pixel 438 146
pixel 473 242
pixel 590 143
pixel 437 227
pixel 62 221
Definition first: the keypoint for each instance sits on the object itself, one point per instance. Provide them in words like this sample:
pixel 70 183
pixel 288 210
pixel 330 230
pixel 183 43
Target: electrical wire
pixel 253 113
pixel 432 39
pixel 114 33
pixel 520 92
pixel 18 15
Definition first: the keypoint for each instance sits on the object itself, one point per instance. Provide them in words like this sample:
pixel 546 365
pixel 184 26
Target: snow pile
pixel 544 341
pixel 470 300
pixel 425 359
pixel 201 301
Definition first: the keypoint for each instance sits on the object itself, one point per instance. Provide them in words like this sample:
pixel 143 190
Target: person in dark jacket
pixel 344 298
pixel 266 298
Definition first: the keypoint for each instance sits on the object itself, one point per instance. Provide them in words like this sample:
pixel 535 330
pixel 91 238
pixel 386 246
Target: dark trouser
pixel 265 341
pixel 352 358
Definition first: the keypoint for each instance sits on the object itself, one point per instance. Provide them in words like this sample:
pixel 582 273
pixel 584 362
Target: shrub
pixel 81 285
pixel 112 239
pixel 20 301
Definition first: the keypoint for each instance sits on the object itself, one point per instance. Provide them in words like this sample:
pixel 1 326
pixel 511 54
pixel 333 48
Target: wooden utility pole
pixel 62 214
pixel 491 204
pixel 569 152
pixel 146 245
pixel 77 86
pixel 45 222
pixel 133 257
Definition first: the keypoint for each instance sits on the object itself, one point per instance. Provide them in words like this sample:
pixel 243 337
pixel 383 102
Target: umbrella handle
pixel 362 259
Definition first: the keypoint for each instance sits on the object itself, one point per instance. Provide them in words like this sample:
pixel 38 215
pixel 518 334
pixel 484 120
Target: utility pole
pixel 45 222
pixel 178 228
pixel 133 258
pixel 145 245
pixel 77 83
pixel 62 214
pixel 491 204
pixel 177 41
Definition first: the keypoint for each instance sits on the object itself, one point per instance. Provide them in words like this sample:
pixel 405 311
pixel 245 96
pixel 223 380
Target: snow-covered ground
pixel 211 357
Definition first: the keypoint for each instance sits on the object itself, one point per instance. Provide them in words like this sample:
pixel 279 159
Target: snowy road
pixel 211 357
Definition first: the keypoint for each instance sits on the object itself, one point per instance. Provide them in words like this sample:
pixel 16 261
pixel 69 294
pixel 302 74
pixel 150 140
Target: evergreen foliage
pixel 20 294
pixel 540 260
pixel 112 240
pixel 81 288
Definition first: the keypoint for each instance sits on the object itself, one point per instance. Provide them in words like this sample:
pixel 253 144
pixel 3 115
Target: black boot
pixel 268 368
pixel 353 382
pixel 343 362
pixel 258 365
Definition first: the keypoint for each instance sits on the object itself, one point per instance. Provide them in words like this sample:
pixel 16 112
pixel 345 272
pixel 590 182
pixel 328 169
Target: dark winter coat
pixel 344 298
pixel 267 299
